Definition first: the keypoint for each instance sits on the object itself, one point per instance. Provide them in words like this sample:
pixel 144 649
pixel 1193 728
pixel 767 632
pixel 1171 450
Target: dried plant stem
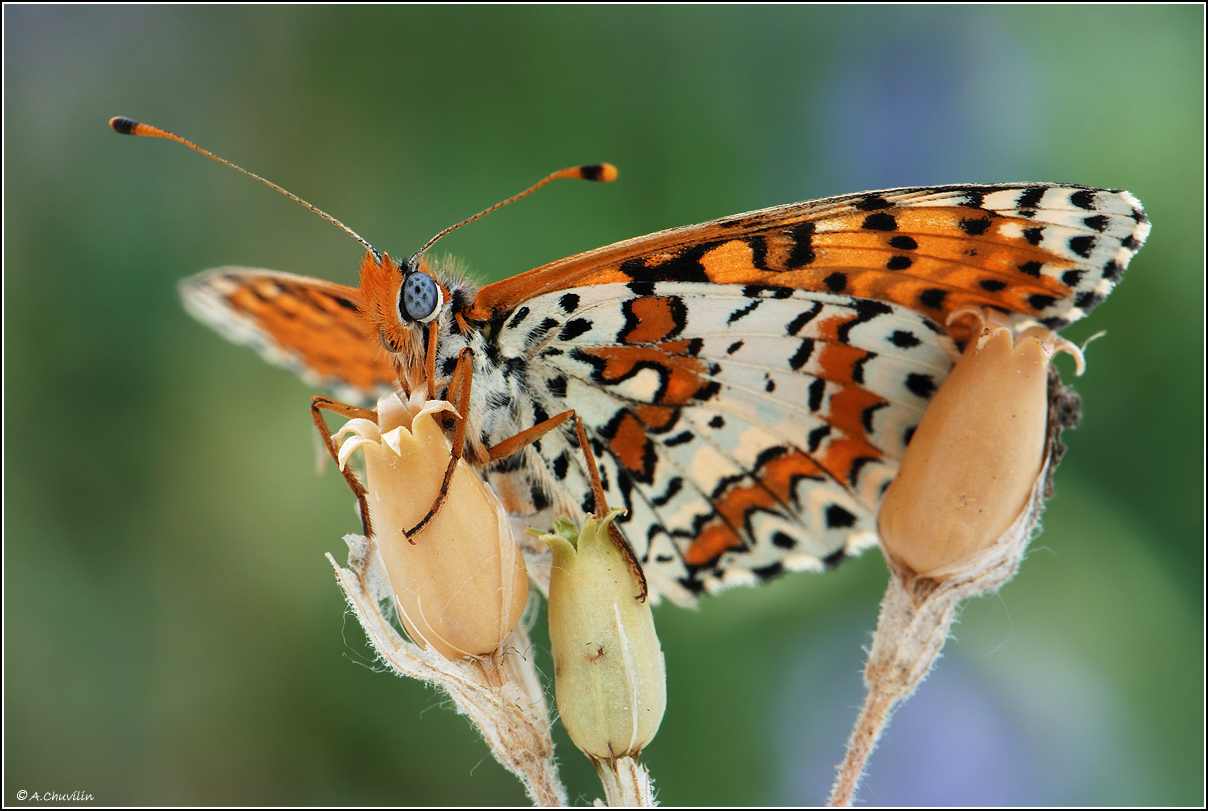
pixel 906 645
pixel 501 695
pixel 917 612
pixel 916 616
pixel 626 783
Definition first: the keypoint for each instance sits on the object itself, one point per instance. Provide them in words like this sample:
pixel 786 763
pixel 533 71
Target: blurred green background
pixel 172 632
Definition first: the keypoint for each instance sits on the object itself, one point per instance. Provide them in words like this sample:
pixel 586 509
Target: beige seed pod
pixel 460 583
pixel 971 465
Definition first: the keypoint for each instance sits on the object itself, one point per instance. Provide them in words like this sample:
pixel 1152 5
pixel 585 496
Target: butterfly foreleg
pixel 317 406
pixel 460 384
pixel 430 362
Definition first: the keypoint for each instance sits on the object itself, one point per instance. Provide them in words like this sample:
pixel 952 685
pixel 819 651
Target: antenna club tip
pixel 600 172
pixel 123 125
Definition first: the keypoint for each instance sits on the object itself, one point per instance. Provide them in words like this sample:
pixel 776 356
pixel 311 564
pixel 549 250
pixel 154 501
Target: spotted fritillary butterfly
pixel 748 385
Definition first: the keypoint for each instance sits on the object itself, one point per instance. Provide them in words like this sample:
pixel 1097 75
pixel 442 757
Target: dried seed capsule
pixel 971 465
pixel 610 679
pixel 460 583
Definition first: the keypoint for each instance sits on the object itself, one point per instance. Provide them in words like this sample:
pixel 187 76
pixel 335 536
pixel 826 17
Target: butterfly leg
pixel 317 406
pixel 430 361
pixel 527 437
pixel 459 386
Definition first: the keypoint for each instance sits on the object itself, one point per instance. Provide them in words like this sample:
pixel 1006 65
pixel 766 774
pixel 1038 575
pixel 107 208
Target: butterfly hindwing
pixel 746 430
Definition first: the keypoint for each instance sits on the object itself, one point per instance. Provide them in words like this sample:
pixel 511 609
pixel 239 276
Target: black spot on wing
pixel 1030 198
pixel 857 368
pixel 836 282
pixel 867 414
pixel 1082 245
pixel 802 252
pixel 903 339
pixel 898 263
pixel 803 318
pixel 814 438
pixel 679 439
pixel 932 297
pixel 802 355
pixel 834 559
pixel 816 390
pixel 921 385
pixel 759 251
pixel 880 222
pixel 866 310
pixel 857 464
pixel 574 328
pixel 684 266
pixel 839 518
pixel 1083 198
pixel 769 572
pixel 903 243
pixel 541 329
pixel 1071 277
pixel 1031 269
pixel 673 487
pixel 743 312
pixel 975 198
pixel 871 202
pixel 519 316
pixel 975 228
pixel 1088 301
pixel 538 496
pixel 992 285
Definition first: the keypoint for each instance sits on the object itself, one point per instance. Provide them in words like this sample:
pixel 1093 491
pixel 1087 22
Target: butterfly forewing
pixel 312 327
pixel 1047 252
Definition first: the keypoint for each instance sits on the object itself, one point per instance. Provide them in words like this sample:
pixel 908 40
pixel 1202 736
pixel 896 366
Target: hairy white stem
pixel 500 694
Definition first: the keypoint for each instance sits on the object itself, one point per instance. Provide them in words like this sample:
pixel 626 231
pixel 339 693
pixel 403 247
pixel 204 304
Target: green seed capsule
pixel 610 678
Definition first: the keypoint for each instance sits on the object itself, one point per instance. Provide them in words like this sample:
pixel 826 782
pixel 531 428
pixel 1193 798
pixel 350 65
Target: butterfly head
pixel 400 302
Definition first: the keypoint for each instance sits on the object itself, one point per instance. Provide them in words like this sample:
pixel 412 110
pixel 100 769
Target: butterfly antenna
pixel 128 126
pixel 600 172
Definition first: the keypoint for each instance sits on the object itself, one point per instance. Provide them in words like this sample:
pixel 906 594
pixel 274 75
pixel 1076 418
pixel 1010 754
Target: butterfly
pixel 747 385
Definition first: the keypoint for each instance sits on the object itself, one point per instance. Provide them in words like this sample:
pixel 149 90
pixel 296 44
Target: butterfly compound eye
pixel 420 298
